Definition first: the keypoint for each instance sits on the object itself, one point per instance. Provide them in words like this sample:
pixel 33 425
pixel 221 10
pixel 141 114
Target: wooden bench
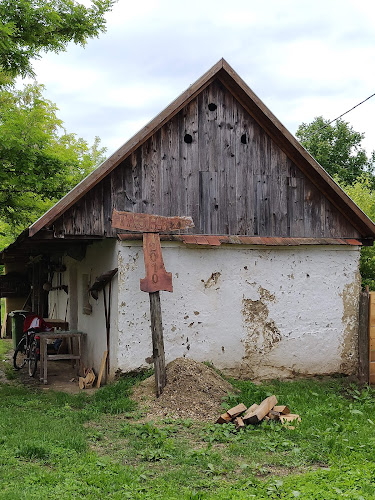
pixel 44 356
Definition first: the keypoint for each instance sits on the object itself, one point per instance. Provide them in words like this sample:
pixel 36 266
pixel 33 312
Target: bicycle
pixel 27 351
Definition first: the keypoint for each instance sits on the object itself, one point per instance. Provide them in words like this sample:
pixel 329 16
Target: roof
pixel 257 109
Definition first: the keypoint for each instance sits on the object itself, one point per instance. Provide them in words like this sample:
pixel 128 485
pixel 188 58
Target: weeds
pixel 66 446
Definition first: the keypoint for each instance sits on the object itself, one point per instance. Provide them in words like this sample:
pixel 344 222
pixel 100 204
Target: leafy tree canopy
pixel 39 162
pixel 337 147
pixel 30 27
pixel 363 194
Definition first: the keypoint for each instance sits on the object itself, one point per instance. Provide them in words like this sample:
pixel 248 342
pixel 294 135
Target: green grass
pixel 55 445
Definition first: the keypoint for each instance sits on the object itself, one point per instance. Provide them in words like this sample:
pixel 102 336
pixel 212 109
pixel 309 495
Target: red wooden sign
pixel 157 277
pixel 146 223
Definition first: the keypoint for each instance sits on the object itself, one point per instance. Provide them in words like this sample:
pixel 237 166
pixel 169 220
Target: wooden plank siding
pixel 232 178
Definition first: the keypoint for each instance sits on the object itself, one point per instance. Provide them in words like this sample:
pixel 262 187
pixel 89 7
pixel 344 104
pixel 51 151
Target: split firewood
pixel 274 415
pixel 88 380
pixel 250 410
pixel 225 418
pixel 284 410
pixel 239 423
pixel 258 414
pixel 236 410
pixel 291 417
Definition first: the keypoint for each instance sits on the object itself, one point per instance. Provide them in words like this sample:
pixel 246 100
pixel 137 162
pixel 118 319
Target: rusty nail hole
pixel 243 139
pixel 188 139
pixel 212 106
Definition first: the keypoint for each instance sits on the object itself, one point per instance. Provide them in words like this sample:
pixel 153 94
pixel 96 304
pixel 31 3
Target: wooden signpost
pixel 157 278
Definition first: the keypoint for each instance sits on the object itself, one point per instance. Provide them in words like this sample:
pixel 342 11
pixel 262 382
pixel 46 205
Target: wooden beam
pixel 157 343
pixel 363 338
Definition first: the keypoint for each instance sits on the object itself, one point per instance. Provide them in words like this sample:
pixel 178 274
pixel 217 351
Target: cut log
pixel 291 417
pixel 256 416
pixel 224 418
pixel 87 381
pixel 284 410
pixel 239 423
pixel 274 415
pixel 250 411
pixel 236 410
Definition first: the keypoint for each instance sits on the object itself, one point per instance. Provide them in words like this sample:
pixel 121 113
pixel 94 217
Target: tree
pixel 363 194
pixel 39 163
pixel 30 27
pixel 337 147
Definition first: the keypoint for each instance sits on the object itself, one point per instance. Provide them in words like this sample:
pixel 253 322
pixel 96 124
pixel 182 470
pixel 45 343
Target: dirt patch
pixel 194 391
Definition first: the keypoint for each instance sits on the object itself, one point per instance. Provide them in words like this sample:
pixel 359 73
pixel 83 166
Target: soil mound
pixel 193 390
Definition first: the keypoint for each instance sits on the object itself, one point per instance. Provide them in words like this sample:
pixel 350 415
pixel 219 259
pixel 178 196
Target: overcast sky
pixel 302 58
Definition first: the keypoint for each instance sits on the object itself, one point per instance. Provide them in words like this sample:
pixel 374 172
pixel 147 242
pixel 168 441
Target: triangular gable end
pixel 240 161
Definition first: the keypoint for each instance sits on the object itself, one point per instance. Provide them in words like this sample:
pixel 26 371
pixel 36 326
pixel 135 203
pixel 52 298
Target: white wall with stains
pixel 251 311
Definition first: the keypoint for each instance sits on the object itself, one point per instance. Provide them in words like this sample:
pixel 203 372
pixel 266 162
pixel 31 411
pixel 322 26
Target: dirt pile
pixel 193 390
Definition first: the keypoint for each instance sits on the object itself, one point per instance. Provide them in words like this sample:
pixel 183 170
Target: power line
pixel 346 112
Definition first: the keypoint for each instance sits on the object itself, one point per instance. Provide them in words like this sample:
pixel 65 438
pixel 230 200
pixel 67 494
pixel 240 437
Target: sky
pixel 302 58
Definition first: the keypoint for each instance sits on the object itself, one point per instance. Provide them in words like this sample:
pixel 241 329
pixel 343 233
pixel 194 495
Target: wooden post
pixel 363 338
pixel 157 343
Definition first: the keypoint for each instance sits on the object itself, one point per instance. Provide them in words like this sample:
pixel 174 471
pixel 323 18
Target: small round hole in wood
pixel 212 106
pixel 188 139
pixel 243 139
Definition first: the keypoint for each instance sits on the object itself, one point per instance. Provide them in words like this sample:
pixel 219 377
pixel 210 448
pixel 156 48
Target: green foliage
pixel 363 194
pixel 337 147
pixel 30 27
pixel 39 163
pixel 64 446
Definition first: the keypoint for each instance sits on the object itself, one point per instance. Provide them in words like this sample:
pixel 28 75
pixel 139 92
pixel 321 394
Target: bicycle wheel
pixel 20 356
pixel 33 358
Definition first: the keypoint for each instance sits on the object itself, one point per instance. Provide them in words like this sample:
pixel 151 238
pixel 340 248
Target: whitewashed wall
pixel 100 258
pixel 252 312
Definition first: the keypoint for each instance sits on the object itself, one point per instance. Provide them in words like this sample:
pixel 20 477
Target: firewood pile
pixel 255 414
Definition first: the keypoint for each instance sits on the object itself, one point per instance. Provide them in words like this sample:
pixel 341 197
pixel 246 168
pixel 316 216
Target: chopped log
pixel 239 423
pixel 284 410
pixel 250 410
pixel 274 415
pixel 236 410
pixel 291 417
pixel 87 381
pixel 225 418
pixel 256 416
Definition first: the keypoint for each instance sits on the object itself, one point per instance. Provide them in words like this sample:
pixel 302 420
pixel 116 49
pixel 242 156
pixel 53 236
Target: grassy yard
pixel 54 445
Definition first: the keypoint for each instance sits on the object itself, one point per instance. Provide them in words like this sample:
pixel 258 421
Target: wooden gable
pixel 212 161
pixel 218 154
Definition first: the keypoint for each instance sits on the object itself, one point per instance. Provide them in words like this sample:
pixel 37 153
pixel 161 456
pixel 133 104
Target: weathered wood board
pixel 213 161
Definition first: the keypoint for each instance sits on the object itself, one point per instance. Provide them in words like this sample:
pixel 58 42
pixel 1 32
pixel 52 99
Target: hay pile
pixel 193 390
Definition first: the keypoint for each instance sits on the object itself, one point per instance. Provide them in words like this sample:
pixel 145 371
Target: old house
pixel 267 282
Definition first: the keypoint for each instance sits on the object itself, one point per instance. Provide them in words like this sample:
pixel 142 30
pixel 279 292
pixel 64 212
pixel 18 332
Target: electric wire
pixel 346 112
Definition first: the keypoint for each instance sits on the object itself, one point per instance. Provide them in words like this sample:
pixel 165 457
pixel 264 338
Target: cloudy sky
pixel 302 58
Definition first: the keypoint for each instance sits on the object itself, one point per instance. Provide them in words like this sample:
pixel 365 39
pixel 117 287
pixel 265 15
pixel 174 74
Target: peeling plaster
pixel 262 332
pixel 212 280
pixel 277 312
